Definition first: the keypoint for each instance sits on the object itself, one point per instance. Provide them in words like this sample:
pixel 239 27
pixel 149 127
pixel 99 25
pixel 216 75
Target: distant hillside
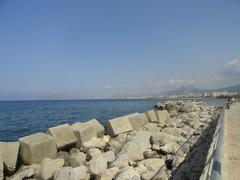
pixel 230 89
pixel 186 90
pixel 191 89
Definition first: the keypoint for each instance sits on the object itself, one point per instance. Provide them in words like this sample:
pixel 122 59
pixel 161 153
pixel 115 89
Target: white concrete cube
pixel 63 135
pixel 34 148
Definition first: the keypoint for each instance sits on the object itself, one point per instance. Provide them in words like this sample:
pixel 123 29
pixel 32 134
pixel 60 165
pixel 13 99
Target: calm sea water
pixel 20 118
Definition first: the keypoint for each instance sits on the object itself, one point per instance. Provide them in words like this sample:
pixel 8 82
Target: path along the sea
pixel 231 146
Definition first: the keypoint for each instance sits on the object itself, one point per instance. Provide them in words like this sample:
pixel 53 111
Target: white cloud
pixel 180 82
pixel 107 87
pixel 233 67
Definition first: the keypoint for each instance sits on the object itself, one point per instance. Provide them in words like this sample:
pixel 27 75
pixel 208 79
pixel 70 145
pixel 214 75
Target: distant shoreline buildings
pixel 214 94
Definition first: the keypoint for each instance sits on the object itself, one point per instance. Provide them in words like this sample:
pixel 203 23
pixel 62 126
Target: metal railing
pixel 212 168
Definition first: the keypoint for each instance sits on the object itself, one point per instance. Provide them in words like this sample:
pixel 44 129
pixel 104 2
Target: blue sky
pixel 100 49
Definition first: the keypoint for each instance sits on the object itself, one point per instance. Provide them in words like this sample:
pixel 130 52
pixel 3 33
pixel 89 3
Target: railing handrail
pixel 212 169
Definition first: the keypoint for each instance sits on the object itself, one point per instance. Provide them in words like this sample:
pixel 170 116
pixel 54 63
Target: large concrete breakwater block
pixel 34 148
pixel 63 136
pixel 162 116
pixel 119 125
pixel 85 131
pixel 152 117
pixel 138 121
pixel 10 151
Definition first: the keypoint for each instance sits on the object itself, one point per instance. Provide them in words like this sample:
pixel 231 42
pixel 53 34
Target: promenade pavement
pixel 231 146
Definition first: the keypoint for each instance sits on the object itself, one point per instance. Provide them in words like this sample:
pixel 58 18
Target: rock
pixel 69 173
pixel 163 138
pixel 151 127
pixel 49 166
pixel 1 164
pixel 25 172
pixel 150 154
pixel 34 148
pixel 63 136
pixel 173 113
pixel 119 125
pixel 172 131
pixel 80 172
pixel 117 143
pixel 109 174
pixel 140 141
pixel 170 105
pixel 152 164
pixel 151 115
pixel 162 116
pixel 94 143
pixel 128 174
pixel 169 148
pixel 162 174
pixel 85 131
pixel 109 156
pixel 188 107
pixel 155 147
pixel 140 169
pixel 160 106
pixel 66 156
pixel 138 121
pixel 10 156
pixel 157 140
pixel 77 158
pixel 93 152
pixel 98 165
pixel 106 138
pixel 65 173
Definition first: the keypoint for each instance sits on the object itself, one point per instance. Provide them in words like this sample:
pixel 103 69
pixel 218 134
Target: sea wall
pixel 132 146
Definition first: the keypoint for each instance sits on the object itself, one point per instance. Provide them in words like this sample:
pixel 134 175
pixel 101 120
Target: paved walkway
pixel 231 146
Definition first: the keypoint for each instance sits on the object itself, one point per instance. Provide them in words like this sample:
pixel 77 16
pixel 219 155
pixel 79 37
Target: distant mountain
pixel 230 89
pixel 185 90
pixel 191 89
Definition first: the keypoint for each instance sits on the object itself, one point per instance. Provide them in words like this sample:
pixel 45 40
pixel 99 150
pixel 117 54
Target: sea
pixel 21 118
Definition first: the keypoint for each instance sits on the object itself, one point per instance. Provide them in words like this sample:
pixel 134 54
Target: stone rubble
pixel 150 145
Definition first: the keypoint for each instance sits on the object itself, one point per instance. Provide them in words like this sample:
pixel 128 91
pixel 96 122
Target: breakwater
pixel 132 146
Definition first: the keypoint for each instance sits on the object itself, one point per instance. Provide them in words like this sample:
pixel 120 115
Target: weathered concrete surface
pixel 162 116
pixel 10 155
pixel 152 117
pixel 34 148
pixel 85 131
pixel 63 136
pixel 231 147
pixel 138 121
pixel 119 125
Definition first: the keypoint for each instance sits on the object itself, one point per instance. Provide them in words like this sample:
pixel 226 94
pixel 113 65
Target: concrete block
pixel 63 136
pixel 85 131
pixel 162 116
pixel 138 121
pixel 97 126
pixel 119 125
pixel 10 152
pixel 151 116
pixel 34 148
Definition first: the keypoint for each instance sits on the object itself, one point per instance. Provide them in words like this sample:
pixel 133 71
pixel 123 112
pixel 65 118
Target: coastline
pixel 99 150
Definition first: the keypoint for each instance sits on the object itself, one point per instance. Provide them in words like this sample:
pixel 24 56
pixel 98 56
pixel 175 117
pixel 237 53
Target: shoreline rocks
pixel 133 146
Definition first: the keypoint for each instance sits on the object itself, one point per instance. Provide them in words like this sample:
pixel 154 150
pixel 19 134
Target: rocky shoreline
pixel 151 145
